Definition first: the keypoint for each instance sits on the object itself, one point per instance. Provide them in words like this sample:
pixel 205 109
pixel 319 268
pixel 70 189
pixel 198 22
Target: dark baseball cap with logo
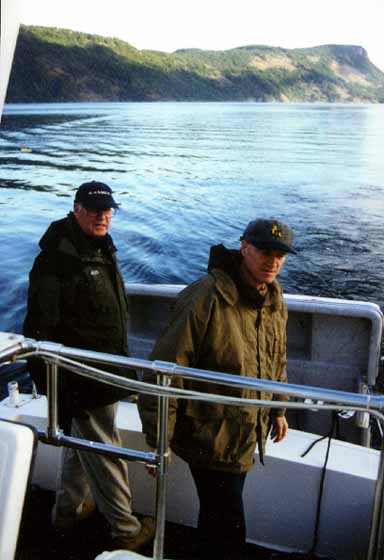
pixel 269 234
pixel 95 196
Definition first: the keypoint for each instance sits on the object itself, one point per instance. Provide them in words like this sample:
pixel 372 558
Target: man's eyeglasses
pixel 108 213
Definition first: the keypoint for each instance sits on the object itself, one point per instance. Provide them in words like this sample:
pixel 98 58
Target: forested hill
pixel 56 65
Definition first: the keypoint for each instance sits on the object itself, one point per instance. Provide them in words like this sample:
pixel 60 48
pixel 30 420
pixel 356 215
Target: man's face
pixel 94 223
pixel 261 265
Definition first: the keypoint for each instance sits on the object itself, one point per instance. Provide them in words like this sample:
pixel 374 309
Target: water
pixel 190 175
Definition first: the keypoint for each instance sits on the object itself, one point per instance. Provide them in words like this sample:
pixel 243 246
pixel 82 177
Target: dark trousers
pixel 221 524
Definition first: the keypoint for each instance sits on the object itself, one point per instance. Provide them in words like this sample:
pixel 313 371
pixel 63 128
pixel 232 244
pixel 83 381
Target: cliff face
pixel 56 65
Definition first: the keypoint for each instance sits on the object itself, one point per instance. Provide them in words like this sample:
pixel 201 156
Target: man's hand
pixel 279 429
pixel 151 469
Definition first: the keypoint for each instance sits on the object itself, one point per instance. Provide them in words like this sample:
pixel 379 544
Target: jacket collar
pixel 230 292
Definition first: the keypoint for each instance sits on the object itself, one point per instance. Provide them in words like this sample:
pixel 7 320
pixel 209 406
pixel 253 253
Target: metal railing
pixel 55 355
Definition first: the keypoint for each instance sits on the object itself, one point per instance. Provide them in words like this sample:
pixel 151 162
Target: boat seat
pixel 18 443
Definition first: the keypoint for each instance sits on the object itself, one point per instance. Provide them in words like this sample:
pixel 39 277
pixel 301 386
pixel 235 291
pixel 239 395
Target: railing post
pixel 380 531
pixel 375 549
pixel 53 424
pixel 162 450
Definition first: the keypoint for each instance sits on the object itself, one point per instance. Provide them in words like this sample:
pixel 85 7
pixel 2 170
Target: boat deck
pixel 38 541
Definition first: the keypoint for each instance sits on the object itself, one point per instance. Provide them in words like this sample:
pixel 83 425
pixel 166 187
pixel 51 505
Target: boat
pixel 350 493
pixel 325 480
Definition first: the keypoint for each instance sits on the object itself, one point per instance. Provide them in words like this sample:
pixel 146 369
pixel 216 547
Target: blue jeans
pixel 221 523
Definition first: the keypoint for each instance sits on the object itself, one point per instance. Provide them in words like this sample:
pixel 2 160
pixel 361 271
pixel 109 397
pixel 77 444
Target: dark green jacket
pixel 219 324
pixel 77 297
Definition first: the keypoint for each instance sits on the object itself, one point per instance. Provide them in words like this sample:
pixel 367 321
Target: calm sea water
pixel 189 175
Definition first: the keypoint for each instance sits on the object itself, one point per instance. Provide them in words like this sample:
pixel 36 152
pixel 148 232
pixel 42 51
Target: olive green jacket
pixel 76 297
pixel 215 327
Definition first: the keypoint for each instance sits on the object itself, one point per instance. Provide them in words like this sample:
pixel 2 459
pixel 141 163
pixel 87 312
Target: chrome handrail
pixel 58 355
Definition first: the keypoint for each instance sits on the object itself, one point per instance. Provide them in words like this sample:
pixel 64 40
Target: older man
pixel 77 297
pixel 232 320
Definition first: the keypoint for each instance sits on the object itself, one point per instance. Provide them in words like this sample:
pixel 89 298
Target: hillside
pixel 57 65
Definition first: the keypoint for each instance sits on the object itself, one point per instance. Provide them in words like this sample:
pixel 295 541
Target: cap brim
pixel 102 204
pixel 272 245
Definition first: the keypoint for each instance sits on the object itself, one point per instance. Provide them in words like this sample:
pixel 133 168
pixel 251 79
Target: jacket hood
pixel 227 260
pixel 67 236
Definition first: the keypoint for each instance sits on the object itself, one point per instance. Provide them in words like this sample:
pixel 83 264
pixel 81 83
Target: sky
pixel 168 25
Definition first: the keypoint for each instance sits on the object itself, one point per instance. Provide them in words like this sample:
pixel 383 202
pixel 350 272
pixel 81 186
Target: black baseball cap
pixel 95 196
pixel 269 234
